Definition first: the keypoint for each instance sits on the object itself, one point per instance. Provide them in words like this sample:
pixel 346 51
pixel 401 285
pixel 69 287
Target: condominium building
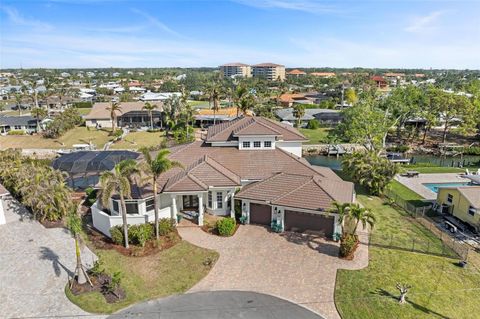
pixel 269 71
pixel 236 70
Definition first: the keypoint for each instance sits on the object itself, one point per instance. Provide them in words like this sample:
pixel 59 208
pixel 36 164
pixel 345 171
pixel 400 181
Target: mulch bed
pixel 351 255
pixel 100 241
pixel 99 284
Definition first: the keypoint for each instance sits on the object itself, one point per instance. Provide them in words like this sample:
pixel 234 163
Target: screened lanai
pixel 85 167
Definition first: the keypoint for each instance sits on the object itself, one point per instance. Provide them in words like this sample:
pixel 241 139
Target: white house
pixel 259 157
pixel 152 96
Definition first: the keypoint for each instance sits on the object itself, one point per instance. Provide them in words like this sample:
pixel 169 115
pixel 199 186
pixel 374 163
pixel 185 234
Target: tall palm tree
pixel 298 113
pixel 213 91
pixel 240 92
pixel 118 182
pixel 18 102
pixel 39 113
pixel 153 167
pixel 149 108
pixel 74 224
pixel 114 108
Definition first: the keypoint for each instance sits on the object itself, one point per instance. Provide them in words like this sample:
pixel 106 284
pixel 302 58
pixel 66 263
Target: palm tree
pixel 213 91
pixel 153 167
pixel 298 113
pixel 240 92
pixel 355 213
pixel 74 224
pixel 118 182
pixel 114 108
pixel 149 107
pixel 39 113
pixel 18 102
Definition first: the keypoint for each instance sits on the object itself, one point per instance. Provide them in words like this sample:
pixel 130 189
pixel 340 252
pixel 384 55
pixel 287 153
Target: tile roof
pixel 269 65
pixel 252 126
pixel 323 74
pixel 296 71
pixel 298 191
pixel 99 110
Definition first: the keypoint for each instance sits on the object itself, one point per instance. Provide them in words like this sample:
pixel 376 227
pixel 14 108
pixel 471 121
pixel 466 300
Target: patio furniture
pixel 412 174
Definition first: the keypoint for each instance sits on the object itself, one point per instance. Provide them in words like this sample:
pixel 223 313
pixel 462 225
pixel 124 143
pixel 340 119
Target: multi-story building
pixel 236 70
pixel 269 71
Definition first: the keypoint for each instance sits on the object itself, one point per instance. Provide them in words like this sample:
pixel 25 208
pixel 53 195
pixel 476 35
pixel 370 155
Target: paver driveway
pixel 292 266
pixel 35 263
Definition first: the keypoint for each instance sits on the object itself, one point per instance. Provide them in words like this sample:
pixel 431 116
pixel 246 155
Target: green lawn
pixel 136 140
pixel 434 169
pixel 317 136
pixel 172 271
pixel 399 190
pixel 440 288
pixel 78 135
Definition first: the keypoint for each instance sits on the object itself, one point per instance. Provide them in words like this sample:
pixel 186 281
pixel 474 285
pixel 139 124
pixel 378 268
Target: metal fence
pixel 408 205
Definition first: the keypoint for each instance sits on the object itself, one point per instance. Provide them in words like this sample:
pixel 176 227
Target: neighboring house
pixel 259 157
pixel 132 114
pixel 158 97
pixel 296 73
pixel 461 202
pixel 231 70
pixel 206 117
pixel 289 99
pixel 3 193
pixel 325 75
pixel 323 116
pixel 380 81
pixel 25 123
pixel 269 71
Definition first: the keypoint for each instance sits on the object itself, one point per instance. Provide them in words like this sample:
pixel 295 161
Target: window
pixel 18 127
pixel 450 198
pixel 220 200
pixel 246 144
pixel 471 210
pixel 132 208
pixel 257 144
pixel 115 206
pixel 267 144
pixel 210 199
pixel 150 204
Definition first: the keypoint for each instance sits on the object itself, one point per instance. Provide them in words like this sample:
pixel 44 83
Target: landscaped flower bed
pixel 220 226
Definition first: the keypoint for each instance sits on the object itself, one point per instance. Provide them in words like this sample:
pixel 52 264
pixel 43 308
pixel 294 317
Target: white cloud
pixel 424 23
pixel 16 18
pixel 310 6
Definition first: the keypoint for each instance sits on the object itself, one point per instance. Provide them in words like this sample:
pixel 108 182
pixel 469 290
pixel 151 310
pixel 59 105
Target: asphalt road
pixel 217 305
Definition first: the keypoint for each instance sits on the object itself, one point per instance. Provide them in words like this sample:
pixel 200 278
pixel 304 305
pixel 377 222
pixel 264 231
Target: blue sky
pixel 297 33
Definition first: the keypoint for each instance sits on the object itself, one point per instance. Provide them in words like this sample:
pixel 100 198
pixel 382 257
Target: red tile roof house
pixel 254 160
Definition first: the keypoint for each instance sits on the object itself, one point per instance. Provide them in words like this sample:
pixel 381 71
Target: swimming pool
pixel 435 186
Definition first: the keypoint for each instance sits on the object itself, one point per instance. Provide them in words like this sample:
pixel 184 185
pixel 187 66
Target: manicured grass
pixel 172 271
pixel 440 288
pixel 435 169
pixel 78 135
pixel 198 104
pixel 136 140
pixel 317 136
pixel 399 190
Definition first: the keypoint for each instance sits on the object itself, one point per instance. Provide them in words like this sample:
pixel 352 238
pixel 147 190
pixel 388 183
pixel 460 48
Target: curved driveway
pixel 296 267
pixel 216 305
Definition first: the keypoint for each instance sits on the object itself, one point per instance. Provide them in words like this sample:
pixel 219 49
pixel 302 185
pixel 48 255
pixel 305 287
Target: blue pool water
pixel 435 186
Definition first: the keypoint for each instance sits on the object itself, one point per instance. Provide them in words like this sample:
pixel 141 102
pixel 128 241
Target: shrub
pixel 348 244
pixel 91 196
pixel 97 269
pixel 226 226
pixel 16 132
pixel 474 150
pixel 165 226
pixel 139 234
pixel 116 232
pixel 399 148
pixel 313 124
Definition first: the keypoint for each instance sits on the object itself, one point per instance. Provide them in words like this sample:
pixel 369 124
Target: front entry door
pixel 190 201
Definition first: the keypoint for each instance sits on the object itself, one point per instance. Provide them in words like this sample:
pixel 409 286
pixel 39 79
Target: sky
pixel 296 33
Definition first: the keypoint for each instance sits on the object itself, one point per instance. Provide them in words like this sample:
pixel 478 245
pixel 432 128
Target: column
pixel 200 210
pixel 232 204
pixel 174 208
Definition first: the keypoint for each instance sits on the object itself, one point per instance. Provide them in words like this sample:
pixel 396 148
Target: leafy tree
pixel 350 96
pixel 152 168
pixel 369 170
pixel 298 113
pixel 118 182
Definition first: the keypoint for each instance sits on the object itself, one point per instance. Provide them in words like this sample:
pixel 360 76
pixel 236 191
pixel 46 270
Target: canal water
pixel 336 162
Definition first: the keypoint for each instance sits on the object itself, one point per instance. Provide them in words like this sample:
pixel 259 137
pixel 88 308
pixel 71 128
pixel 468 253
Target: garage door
pixel 260 214
pixel 299 221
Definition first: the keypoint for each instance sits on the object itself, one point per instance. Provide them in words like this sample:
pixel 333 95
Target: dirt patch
pixel 53 224
pixel 100 283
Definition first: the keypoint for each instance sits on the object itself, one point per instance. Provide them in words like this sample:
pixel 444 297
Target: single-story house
pixel 132 114
pixel 25 123
pixel 154 97
pixel 251 162
pixel 206 117
pixel 3 193
pixel 323 116
pixel 461 202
